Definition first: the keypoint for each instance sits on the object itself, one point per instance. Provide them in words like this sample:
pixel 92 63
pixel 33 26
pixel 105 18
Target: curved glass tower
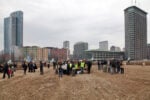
pixel 18 25
pixel 13 31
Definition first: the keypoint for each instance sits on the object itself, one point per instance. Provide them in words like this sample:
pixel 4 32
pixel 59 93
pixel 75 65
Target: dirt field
pixel 134 84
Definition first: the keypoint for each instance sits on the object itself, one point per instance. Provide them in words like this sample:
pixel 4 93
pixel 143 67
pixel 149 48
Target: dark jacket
pixel 24 66
pixel 6 67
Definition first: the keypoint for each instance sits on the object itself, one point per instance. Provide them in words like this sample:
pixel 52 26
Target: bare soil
pixel 134 84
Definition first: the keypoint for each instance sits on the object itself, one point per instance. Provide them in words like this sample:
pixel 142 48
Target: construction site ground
pixel 134 84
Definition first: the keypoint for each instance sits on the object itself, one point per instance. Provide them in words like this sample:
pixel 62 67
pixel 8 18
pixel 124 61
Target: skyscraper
pixel 135 33
pixel 66 44
pixel 103 45
pixel 148 51
pixel 6 35
pixel 79 50
pixel 13 31
pixel 18 25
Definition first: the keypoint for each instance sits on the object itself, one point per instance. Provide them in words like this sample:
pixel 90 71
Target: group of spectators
pixel 31 67
pixel 72 67
pixel 9 69
pixel 111 66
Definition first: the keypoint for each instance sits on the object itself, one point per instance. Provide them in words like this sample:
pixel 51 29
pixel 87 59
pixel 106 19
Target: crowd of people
pixel 9 69
pixel 64 67
pixel 72 67
pixel 31 67
pixel 111 66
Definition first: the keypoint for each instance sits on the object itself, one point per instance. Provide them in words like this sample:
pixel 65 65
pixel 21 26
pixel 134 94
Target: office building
pixel 7 34
pixel 79 50
pixel 13 31
pixel 135 33
pixel 103 45
pixel 115 49
pixel 105 55
pixel 66 46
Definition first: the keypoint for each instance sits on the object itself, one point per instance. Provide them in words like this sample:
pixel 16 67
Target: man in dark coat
pixel 41 68
pixel 113 66
pixel 89 65
pixel 98 63
pixel 6 71
pixel 24 67
pixel 48 65
pixel 34 67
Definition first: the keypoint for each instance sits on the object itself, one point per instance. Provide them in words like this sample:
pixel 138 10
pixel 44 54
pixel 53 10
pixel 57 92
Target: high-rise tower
pixel 67 46
pixel 135 33
pixel 103 45
pixel 79 50
pixel 13 31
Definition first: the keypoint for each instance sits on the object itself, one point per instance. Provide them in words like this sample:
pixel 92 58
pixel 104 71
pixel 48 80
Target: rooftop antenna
pixel 133 2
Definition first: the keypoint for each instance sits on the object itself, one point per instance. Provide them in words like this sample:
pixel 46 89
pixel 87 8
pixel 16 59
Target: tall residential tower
pixel 135 33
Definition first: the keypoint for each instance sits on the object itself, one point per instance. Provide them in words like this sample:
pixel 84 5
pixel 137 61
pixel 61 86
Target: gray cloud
pixel 50 22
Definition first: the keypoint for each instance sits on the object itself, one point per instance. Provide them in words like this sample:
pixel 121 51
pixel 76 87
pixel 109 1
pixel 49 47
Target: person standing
pixel 41 68
pixel 15 66
pixel 98 63
pixel 60 70
pixel 48 65
pixel 113 66
pixel 54 65
pixel 118 63
pixel 68 68
pixel 34 66
pixel 82 67
pixel 30 65
pixel 24 67
pixel 6 71
pixel 12 68
pixel 89 65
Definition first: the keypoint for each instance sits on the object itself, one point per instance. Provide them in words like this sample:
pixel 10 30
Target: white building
pixel 103 45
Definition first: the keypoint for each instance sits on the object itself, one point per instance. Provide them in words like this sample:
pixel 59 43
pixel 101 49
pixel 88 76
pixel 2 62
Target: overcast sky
pixel 50 22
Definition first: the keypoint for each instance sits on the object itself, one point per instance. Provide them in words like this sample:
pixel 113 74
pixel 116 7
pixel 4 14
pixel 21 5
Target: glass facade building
pixel 18 25
pixel 79 50
pixel 7 35
pixel 13 31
